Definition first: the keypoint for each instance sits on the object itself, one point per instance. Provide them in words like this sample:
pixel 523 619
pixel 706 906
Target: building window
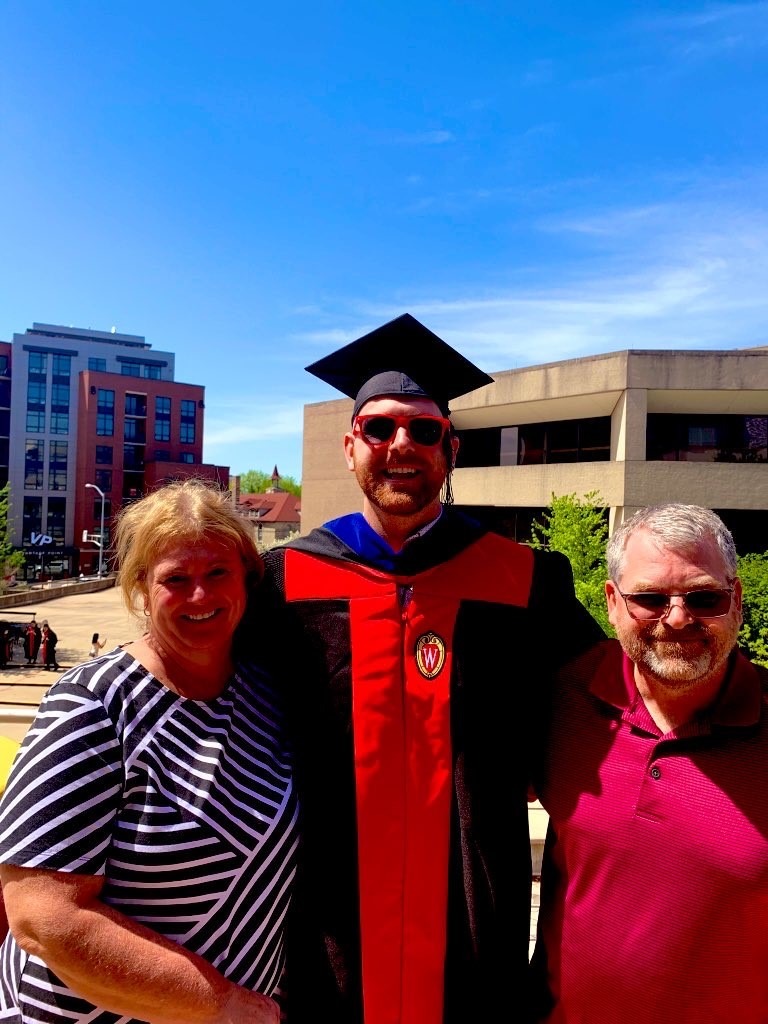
pixel 105 413
pixel 4 366
pixel 138 369
pixel 61 368
pixel 36 391
pixel 57 514
pixel 38 364
pixel 135 431
pixel 188 412
pixel 103 454
pixel 32 519
pixel 100 365
pixel 135 424
pixel 133 457
pixel 188 457
pixel 135 405
pixel 508 446
pixel 703 436
pixel 34 466
pixel 706 438
pixel 586 440
pixel 57 466
pixel 162 455
pixel 530 444
pixel 59 408
pixel 59 423
pixel 103 479
pixel 36 405
pixel 162 418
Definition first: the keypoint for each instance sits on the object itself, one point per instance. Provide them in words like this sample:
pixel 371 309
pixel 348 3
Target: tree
pixel 10 559
pixel 255 481
pixel 753 638
pixel 578 527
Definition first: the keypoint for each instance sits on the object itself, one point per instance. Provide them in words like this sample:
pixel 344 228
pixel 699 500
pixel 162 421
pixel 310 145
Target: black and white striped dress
pixel 186 807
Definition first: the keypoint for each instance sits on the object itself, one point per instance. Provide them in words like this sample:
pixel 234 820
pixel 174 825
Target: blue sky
pixel 252 185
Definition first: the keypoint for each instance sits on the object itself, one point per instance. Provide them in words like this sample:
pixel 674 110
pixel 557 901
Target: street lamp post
pixel 101 535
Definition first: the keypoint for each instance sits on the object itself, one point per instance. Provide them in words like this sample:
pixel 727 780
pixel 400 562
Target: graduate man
pixel 430 638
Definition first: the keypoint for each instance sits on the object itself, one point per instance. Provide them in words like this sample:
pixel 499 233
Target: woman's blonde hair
pixel 187 510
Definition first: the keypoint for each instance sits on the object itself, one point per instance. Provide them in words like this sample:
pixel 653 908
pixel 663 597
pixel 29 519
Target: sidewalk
pixel 74 618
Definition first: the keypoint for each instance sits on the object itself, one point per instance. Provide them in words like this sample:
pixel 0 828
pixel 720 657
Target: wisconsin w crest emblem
pixel 430 654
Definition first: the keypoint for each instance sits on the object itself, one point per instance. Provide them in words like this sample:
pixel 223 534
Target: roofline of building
pixel 111 337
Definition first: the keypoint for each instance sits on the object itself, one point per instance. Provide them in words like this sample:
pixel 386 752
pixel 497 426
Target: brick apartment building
pixel 94 419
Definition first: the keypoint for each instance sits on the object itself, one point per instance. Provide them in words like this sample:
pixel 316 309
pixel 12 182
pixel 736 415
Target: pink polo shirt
pixel 654 902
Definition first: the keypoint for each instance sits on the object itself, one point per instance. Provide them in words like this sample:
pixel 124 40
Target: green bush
pixel 578 527
pixel 753 638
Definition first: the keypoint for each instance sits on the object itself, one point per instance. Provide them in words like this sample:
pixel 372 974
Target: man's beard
pixel 679 659
pixel 419 493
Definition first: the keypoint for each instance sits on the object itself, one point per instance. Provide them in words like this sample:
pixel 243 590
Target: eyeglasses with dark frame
pixel 648 606
pixel 376 430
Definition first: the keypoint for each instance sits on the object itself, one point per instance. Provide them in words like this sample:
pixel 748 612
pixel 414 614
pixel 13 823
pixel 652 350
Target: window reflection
pixel 534 444
pixel 706 438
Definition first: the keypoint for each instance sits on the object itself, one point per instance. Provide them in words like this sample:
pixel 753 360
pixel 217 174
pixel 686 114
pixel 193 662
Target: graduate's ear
pixel 349 450
pixel 455 443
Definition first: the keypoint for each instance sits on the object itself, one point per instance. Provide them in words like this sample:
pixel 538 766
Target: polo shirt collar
pixel 739 704
pixel 741 699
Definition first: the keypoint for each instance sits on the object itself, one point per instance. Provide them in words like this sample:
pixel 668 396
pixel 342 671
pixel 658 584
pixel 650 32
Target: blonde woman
pixel 148 830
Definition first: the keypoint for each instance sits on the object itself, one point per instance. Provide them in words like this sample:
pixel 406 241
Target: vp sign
pixel 39 539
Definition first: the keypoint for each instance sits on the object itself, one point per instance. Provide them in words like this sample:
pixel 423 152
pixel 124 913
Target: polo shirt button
pixel 655 772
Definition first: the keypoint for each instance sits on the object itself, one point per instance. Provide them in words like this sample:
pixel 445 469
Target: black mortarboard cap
pixel 402 357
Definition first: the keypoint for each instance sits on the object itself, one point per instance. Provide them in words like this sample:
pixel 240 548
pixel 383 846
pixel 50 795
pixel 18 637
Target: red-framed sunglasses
pixel 376 430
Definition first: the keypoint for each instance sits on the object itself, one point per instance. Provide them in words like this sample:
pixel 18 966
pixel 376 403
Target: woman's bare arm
pixel 115 962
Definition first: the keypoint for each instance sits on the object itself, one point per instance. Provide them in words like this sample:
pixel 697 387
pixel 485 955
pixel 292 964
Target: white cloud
pixel 710 15
pixel 238 420
pixel 607 223
pixel 713 30
pixel 325 340
pixel 438 137
pixel 688 273
pixel 539 72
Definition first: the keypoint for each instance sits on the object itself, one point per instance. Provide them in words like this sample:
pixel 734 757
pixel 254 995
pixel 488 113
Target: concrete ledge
pixel 50 591
pixel 17 713
pixel 15 723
